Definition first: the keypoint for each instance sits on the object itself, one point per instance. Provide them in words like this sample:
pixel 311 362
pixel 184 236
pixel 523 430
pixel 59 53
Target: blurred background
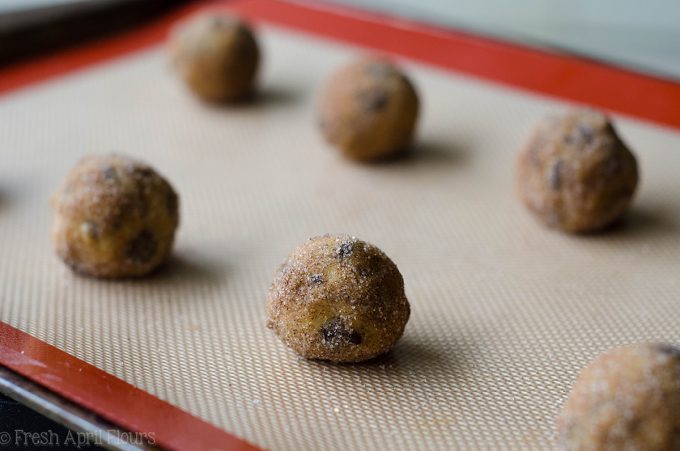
pixel 643 36
pixel 640 35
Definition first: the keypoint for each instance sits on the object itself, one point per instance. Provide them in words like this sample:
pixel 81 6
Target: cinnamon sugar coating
pixel 338 298
pixel 575 173
pixel 626 399
pixel 368 110
pixel 114 217
pixel 217 55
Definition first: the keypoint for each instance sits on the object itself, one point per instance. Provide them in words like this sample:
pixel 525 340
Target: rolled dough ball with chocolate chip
pixel 217 55
pixel 115 217
pixel 576 174
pixel 626 399
pixel 368 110
pixel 338 298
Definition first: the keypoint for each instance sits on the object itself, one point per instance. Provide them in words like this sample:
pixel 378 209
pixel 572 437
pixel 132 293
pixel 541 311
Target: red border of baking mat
pixel 560 75
pixel 110 397
pixel 564 76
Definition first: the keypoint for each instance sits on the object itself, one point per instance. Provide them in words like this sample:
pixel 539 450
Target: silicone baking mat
pixel 504 312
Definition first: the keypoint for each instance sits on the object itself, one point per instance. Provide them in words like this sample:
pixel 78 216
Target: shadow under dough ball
pixel 115 217
pixel 217 56
pixel 338 298
pixel 575 173
pixel 626 399
pixel 368 109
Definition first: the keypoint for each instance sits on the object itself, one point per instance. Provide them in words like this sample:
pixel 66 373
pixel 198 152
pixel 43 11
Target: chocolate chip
pixel 669 350
pixel 142 248
pixel 116 220
pixel 316 279
pixel 344 250
pixel 110 173
pixel 335 333
pixel 555 175
pixel 373 100
pixel 586 132
pixel 143 172
pixel 582 135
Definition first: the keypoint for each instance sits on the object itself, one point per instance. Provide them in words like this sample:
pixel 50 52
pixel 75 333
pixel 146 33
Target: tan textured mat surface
pixel 504 312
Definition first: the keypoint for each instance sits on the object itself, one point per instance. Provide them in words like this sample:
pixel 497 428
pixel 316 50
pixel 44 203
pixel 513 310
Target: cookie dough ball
pixel 217 55
pixel 338 298
pixel 115 217
pixel 626 399
pixel 368 110
pixel 576 174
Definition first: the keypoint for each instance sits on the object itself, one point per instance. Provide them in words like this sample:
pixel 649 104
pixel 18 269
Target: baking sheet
pixel 504 312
